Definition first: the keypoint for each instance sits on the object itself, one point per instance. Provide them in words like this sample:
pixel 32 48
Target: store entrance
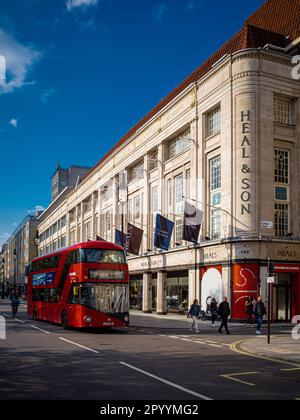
pixel 283 306
pixel 282 297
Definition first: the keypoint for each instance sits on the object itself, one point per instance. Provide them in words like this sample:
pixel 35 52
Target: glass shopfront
pixel 177 291
pixel 136 292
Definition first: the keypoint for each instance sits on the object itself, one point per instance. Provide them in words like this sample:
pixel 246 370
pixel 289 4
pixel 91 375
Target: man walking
pixel 194 314
pixel 224 313
pixel 259 311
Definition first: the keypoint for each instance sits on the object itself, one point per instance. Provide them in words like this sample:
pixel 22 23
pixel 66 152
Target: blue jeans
pixel 259 322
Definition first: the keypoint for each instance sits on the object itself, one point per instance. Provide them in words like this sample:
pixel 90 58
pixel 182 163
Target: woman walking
pixel 250 310
pixel 194 313
pixel 214 311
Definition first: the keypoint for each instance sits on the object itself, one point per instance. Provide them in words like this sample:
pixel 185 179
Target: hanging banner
pixel 193 218
pixel 163 233
pixel 134 239
pixel 120 238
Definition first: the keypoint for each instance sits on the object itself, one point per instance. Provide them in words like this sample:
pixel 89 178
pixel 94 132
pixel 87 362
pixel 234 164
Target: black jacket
pixel 260 309
pixel 224 310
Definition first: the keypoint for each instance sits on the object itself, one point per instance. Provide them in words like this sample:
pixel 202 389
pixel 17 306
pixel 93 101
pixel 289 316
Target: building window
pixel 154 208
pixel 137 172
pixel 188 183
pixel 54 228
pixel 96 225
pixel 109 225
pixel 130 211
pixel 214 122
pixel 282 192
pixel 87 205
pixel 282 166
pixel 170 196
pixel 106 192
pixel 215 197
pixel 87 231
pixel 179 145
pixel 72 216
pixel 63 241
pixel 72 237
pixel 137 207
pixel 281 220
pixel 63 222
pixel 282 110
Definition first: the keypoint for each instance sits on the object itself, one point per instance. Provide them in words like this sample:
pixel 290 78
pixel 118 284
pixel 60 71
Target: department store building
pixel 227 139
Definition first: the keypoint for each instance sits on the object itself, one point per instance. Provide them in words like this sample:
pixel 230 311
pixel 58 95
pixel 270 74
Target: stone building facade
pixel 228 140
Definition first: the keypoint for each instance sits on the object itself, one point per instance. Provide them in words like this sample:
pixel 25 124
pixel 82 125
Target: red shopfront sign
pixel 286 268
pixel 245 281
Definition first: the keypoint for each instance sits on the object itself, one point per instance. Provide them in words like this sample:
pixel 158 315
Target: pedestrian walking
pixel 194 313
pixel 250 310
pixel 214 311
pixel 224 313
pixel 259 311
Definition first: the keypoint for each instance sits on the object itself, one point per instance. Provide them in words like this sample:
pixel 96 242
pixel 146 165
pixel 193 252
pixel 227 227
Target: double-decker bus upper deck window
pixel 103 256
pixel 45 264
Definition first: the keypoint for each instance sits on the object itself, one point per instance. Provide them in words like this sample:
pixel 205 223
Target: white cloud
pixel 14 122
pixel 72 4
pixel 46 95
pixel 19 59
pixel 36 210
pixel 159 12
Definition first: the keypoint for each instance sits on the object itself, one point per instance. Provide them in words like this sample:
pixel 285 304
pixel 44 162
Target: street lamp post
pixel 270 274
pixel 15 268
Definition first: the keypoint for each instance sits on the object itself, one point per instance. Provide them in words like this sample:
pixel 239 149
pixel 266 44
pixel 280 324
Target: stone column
pixel 146 205
pixel 147 293
pixel 192 286
pixel 93 217
pixel 162 293
pixel 161 183
pixel 227 287
pixel 116 207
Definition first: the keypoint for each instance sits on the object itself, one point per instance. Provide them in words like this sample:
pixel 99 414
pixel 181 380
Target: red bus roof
pixel 82 245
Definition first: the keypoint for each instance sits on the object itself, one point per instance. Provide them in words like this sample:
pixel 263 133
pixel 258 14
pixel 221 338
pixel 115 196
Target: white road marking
pixel 157 378
pixel 39 329
pixel 216 346
pixel 79 345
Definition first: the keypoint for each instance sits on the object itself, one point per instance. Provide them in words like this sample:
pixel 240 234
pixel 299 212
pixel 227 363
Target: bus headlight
pixel 88 319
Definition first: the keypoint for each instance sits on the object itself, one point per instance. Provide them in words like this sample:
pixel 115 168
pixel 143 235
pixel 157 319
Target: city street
pixel 153 360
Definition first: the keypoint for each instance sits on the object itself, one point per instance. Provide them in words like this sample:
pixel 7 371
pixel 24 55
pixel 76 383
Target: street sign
pixel 267 225
pixel 271 280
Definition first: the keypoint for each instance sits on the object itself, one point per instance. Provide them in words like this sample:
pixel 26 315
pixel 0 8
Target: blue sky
pixel 80 73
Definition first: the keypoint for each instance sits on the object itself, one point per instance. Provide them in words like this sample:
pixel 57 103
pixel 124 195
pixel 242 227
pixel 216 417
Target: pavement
pixel 283 348
pixel 154 360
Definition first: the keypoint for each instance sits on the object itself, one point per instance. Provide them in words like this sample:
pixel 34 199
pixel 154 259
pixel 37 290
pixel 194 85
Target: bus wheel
pixel 64 320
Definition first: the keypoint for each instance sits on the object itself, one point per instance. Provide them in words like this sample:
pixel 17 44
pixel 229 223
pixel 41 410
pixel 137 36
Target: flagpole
pixel 218 208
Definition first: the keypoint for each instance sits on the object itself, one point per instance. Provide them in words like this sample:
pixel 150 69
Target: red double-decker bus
pixel 84 286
